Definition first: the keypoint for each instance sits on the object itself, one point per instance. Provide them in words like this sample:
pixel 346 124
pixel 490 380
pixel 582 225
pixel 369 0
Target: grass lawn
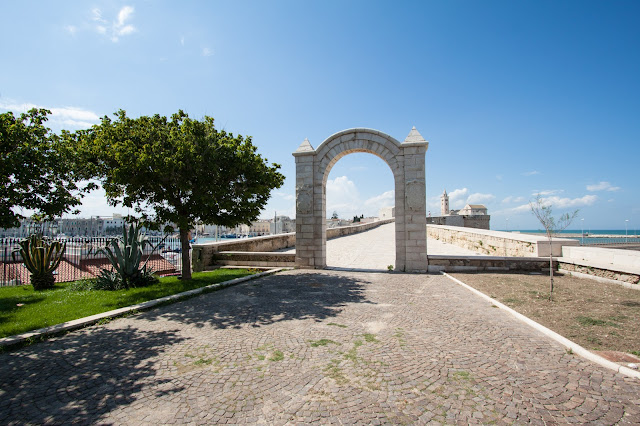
pixel 596 315
pixel 23 309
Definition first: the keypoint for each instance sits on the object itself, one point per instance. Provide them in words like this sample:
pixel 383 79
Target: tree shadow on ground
pixel 81 376
pixel 281 297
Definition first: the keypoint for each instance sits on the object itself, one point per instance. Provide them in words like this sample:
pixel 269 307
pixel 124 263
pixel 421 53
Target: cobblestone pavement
pixel 328 347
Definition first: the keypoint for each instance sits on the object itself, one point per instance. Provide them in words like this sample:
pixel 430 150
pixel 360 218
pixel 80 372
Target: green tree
pixel 38 171
pixel 543 212
pixel 179 170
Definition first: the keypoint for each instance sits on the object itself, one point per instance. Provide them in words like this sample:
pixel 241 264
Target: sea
pixel 205 240
pixel 593 236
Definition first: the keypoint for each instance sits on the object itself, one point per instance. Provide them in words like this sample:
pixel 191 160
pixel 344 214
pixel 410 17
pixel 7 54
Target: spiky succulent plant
pixel 41 257
pixel 125 254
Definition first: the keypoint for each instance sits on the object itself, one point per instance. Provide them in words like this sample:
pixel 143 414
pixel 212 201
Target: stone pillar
pixel 309 235
pixel 414 149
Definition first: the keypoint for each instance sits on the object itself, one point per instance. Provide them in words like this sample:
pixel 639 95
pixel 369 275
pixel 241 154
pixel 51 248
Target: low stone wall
pixel 438 263
pixel 614 264
pixel 354 229
pixel 264 259
pixel 498 243
pixel 204 256
pixel 608 274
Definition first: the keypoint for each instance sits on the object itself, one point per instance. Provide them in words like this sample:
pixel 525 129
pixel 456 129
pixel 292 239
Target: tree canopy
pixel 38 170
pixel 179 170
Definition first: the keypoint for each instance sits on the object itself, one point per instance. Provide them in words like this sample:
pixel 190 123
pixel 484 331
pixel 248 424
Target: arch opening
pixel 357 187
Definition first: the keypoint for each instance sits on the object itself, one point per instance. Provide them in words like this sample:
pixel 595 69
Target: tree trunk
pixel 550 270
pixel 186 259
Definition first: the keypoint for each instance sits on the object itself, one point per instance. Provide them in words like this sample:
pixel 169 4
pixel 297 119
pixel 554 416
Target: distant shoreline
pixel 597 233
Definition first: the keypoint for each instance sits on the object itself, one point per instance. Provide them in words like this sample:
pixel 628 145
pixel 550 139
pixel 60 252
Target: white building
pixel 473 209
pixel 387 212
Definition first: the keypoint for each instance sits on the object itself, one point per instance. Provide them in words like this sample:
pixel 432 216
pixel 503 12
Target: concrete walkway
pixel 376 249
pixel 326 347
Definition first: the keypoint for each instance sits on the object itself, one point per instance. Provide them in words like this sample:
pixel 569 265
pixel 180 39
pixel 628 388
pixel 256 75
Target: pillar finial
pixel 414 136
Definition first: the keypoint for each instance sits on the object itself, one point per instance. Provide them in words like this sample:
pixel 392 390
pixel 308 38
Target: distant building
pixel 282 224
pixel 387 213
pixel 95 226
pixel 470 216
pixel 336 223
pixel 260 227
pixel 473 209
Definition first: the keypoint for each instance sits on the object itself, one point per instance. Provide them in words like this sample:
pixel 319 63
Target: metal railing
pixel 82 259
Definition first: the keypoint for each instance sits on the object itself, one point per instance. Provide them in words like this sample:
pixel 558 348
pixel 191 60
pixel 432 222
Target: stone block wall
pixel 467 221
pixel 498 243
pixel 439 263
pixel 203 255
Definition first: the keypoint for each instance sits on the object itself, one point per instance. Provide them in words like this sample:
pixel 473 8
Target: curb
pixel 40 333
pixel 574 347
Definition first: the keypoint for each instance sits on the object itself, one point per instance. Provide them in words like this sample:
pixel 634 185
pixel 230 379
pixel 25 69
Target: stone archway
pixel 407 162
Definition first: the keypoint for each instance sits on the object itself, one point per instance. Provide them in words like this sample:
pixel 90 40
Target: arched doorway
pixel 407 163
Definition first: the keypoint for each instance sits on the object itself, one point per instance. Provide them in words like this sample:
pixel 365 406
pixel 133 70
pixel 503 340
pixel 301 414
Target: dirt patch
pixel 596 315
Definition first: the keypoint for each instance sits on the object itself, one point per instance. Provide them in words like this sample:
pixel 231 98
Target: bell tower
pixel 444 204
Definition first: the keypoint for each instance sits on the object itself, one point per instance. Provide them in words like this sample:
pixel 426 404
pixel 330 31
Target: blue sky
pixel 515 98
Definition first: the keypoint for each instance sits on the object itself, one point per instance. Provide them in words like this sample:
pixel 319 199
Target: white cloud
pixel 344 198
pixel 97 15
pixel 520 209
pixel 285 195
pixel 512 199
pixel 121 27
pixel 124 14
pixel 531 173
pixel 118 27
pixel 207 52
pixel 545 192
pixel 182 41
pixel 457 197
pixel 374 204
pixel 557 203
pixel 602 186
pixel 69 118
pixel 479 198
pixel 562 203
pixel 71 29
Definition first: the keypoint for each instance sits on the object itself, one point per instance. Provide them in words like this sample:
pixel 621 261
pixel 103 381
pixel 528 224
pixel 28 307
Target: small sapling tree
pixel 541 209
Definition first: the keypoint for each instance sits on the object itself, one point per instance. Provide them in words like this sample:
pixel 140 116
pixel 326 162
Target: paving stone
pixel 325 347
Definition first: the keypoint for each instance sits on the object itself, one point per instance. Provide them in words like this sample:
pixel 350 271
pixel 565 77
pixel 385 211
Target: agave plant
pixel 41 257
pixel 125 254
